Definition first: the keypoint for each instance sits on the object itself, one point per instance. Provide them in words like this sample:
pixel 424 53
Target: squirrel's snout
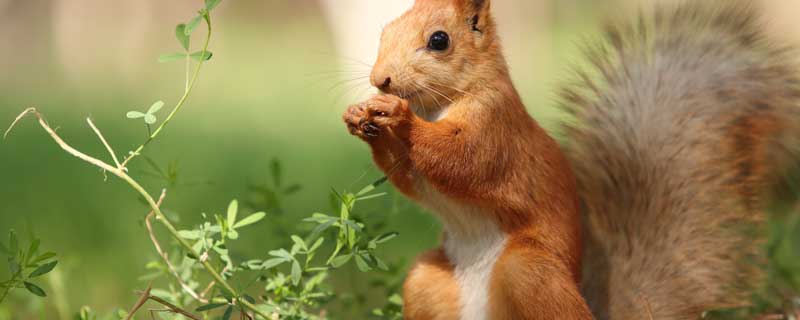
pixel 383 83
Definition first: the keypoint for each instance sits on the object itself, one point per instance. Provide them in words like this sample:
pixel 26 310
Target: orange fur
pixel 486 154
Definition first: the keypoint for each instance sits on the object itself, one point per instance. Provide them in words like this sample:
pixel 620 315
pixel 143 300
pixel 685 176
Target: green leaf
pixel 13 266
pixel 211 4
pixel 155 107
pixel 372 196
pixel 341 260
pixel 281 253
pixel 297 272
pixel 171 57
pixel 192 25
pixel 396 299
pixel 32 250
pixel 210 306
pixel 32 288
pixel 316 245
pixel 372 186
pixel 233 210
pixel 299 241
pixel 43 269
pixel 274 262
pixel 228 313
pixel 135 115
pixel 251 219
pixel 202 56
pixel 362 264
pixel 150 119
pixel 44 256
pixel 386 237
pixel 381 265
pixel 189 234
pixel 180 34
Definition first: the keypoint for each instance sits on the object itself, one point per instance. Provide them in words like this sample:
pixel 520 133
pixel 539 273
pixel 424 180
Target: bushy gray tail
pixel 687 118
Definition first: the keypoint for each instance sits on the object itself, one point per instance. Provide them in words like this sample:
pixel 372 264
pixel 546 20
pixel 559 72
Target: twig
pixel 103 139
pixel 139 303
pixel 164 255
pixel 147 197
pixel 174 308
pixel 180 103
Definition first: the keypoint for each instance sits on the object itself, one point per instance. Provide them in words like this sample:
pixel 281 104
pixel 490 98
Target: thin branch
pixel 139 303
pixel 105 143
pixel 180 103
pixel 147 197
pixel 174 308
pixel 69 149
pixel 164 255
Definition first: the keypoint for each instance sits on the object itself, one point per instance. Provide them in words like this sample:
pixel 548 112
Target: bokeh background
pixel 282 73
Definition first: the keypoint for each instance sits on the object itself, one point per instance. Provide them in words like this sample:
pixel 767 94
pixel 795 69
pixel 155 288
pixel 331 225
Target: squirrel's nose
pixel 382 83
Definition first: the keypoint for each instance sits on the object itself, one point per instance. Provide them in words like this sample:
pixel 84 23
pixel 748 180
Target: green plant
pixel 203 276
pixel 25 264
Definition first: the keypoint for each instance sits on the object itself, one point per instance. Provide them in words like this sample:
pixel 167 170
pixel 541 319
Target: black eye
pixel 439 41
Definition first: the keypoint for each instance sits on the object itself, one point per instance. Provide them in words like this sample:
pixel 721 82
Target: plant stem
pixel 180 103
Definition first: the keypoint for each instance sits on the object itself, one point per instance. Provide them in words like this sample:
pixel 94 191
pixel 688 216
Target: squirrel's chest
pixel 473 244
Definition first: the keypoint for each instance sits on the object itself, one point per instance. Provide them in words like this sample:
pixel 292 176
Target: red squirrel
pixel 685 119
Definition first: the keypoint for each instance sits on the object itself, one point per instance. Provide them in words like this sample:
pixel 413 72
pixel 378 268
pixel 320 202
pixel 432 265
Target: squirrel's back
pixel 683 124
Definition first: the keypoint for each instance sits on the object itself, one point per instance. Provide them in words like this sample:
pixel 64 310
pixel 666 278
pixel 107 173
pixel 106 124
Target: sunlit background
pixel 281 75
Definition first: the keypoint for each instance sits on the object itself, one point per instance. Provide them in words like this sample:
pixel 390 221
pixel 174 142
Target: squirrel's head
pixel 438 51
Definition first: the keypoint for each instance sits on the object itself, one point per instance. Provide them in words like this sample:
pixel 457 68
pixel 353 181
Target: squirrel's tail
pixel 687 118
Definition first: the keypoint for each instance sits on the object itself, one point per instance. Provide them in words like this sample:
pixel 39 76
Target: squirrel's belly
pixel 473 243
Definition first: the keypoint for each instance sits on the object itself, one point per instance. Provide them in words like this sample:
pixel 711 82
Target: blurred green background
pixel 274 89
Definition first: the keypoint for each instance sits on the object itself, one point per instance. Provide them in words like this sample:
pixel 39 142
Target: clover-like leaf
pixel 32 288
pixel 251 219
pixel 192 25
pixel 155 107
pixel 202 55
pixel 171 57
pixel 150 119
pixel 211 4
pixel 233 210
pixel 135 115
pixel 183 38
pixel 43 269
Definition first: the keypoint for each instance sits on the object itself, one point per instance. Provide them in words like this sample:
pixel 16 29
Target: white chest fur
pixel 473 243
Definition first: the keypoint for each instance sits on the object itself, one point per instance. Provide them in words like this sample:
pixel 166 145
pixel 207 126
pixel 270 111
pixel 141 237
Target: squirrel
pixel 679 128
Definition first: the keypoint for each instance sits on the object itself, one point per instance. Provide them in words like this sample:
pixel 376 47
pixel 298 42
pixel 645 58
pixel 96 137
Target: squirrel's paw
pixel 368 119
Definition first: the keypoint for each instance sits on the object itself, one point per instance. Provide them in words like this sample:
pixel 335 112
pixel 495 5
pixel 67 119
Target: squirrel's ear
pixel 478 11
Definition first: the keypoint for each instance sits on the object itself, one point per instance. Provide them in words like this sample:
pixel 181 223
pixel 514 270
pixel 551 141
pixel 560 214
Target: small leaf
pixel 211 4
pixel 341 260
pixel 210 306
pixel 396 299
pixel 372 186
pixel 296 272
pixel 32 288
pixel 150 119
pixel 135 115
pixel 299 241
pixel 372 196
pixel 386 237
pixel 43 269
pixel 171 57
pixel 155 107
pixel 274 262
pixel 228 313
pixel 32 250
pixel 189 234
pixel 202 56
pixel 251 219
pixel 233 210
pixel 13 266
pixel 44 256
pixel 316 245
pixel 281 253
pixel 192 25
pixel 381 265
pixel 362 264
pixel 180 34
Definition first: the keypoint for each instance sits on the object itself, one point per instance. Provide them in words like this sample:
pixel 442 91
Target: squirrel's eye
pixel 439 41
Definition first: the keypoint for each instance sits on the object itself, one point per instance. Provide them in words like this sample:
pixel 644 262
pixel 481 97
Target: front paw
pixel 370 119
